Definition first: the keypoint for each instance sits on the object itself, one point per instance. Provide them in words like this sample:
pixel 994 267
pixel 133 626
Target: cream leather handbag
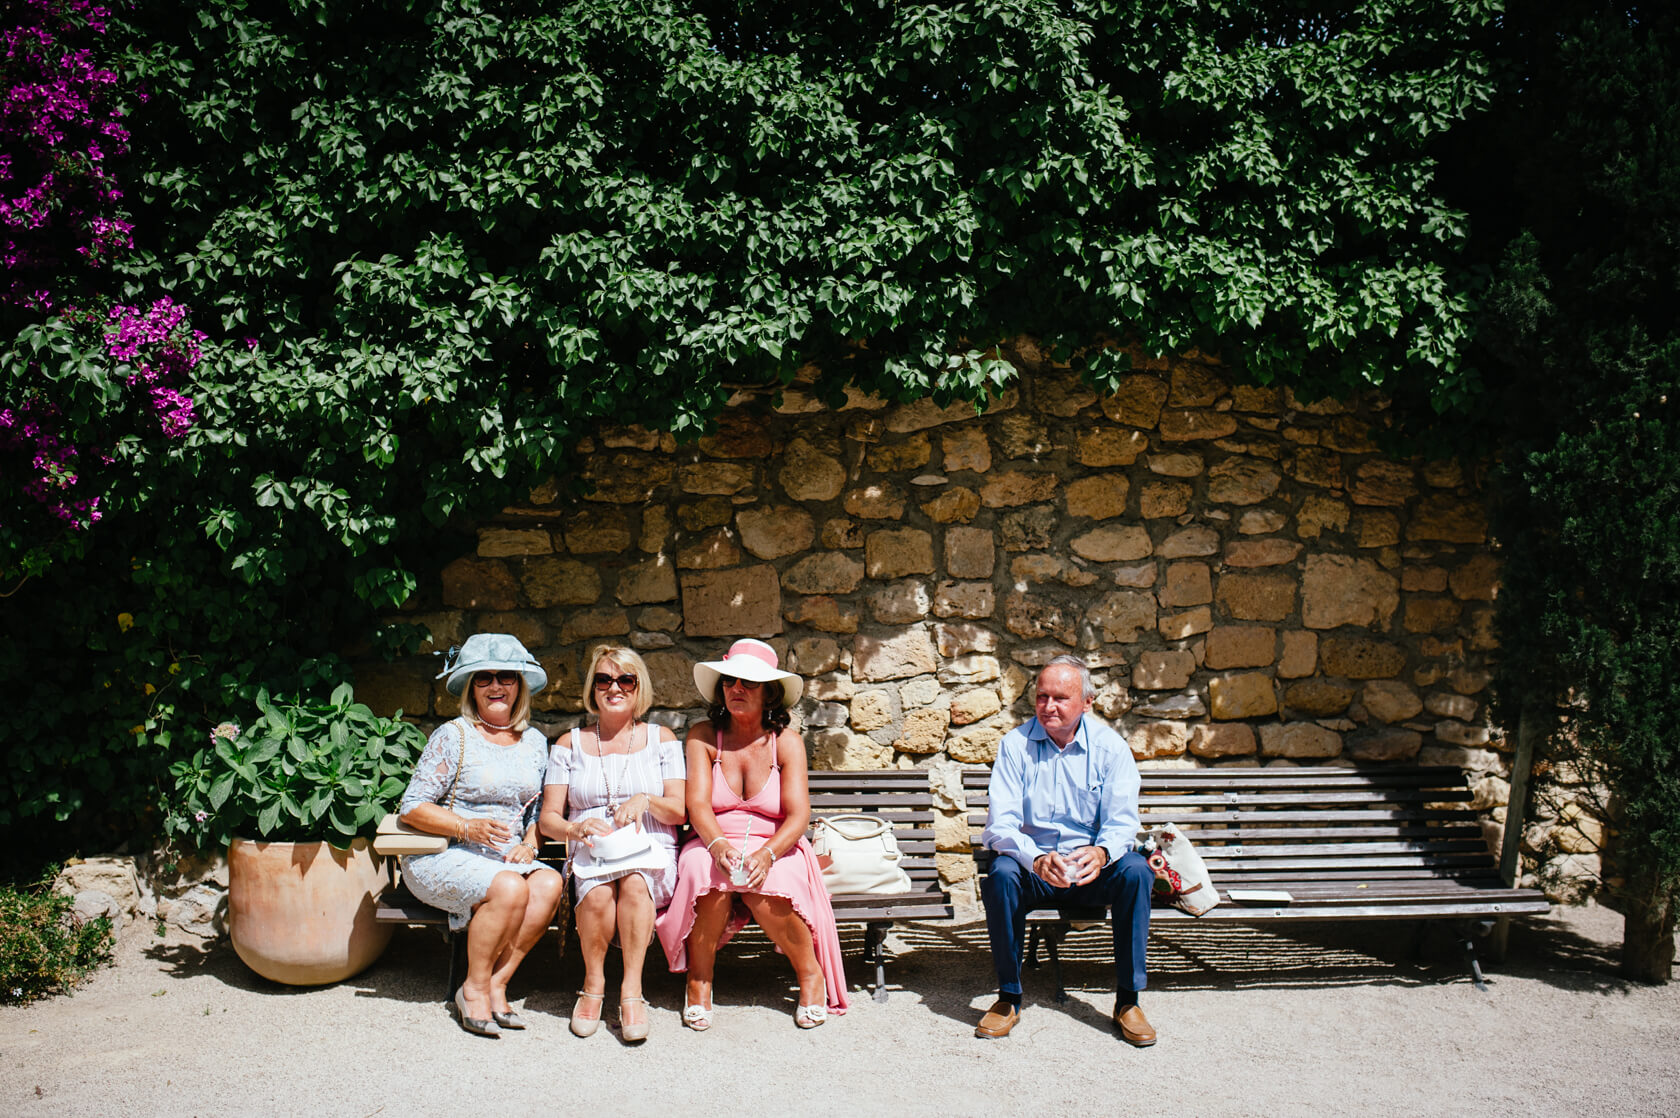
pixel 858 854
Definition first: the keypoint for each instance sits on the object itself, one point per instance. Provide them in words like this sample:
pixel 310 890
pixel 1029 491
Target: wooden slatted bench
pixel 904 797
pixel 1378 843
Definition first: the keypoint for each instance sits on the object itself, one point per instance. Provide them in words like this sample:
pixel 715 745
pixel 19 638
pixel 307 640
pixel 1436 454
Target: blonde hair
pixel 624 658
pixel 521 705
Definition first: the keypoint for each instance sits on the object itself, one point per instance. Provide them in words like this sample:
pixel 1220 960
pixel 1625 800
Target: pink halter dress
pixel 794 876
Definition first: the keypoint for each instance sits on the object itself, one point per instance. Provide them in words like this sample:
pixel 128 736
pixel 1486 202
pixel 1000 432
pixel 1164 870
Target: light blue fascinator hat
pixel 491 652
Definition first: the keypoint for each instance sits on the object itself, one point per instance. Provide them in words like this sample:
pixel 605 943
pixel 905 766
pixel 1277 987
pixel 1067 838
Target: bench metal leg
pixel 1468 930
pixel 873 952
pixel 457 961
pixel 1033 936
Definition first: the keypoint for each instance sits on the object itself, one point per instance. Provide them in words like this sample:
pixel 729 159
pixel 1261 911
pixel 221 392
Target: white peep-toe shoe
pixel 810 1016
pixel 696 1017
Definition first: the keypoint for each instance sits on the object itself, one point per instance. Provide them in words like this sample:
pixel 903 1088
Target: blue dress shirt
pixel 1045 799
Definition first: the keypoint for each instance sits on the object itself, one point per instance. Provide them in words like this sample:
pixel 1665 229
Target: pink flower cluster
pixel 52 462
pixel 151 340
pixel 58 126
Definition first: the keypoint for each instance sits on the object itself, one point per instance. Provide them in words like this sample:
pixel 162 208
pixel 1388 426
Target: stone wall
pixel 1251 580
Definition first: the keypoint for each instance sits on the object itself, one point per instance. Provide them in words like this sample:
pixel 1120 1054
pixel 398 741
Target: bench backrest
pixel 1255 826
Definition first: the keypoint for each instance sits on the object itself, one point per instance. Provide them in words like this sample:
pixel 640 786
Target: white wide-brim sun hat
pixel 748 659
pixel 491 652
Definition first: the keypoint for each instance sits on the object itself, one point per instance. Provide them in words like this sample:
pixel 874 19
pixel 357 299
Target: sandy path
pixel 1326 1019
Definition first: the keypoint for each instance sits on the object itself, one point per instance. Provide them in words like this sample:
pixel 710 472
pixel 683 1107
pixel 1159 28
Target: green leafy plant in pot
pixel 295 797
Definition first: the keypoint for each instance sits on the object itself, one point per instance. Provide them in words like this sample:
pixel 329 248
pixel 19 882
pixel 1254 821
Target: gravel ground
pixel 1358 1019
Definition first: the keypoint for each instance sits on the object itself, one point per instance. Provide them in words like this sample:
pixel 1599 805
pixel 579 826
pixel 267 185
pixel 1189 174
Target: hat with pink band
pixel 748 659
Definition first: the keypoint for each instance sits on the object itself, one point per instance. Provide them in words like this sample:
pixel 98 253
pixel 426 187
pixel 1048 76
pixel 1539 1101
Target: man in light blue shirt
pixel 1063 822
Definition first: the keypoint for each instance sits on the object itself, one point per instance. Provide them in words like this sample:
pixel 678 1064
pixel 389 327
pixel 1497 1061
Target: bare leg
pixel 495 921
pixel 635 931
pixel 785 928
pixel 595 916
pixel 542 897
pixel 711 917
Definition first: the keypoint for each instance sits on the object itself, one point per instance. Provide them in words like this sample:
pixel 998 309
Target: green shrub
pixel 43 947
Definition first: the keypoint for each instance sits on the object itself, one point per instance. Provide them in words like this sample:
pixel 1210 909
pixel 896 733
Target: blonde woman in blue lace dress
pixel 476 783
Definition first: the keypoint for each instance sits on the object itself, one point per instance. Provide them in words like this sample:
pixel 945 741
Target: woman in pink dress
pixel 748 805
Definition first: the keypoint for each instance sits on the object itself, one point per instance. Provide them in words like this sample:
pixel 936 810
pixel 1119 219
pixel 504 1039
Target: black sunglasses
pixel 485 679
pixel 626 682
pixel 730 681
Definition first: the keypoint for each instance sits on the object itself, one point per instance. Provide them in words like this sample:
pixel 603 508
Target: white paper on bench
pixel 1272 896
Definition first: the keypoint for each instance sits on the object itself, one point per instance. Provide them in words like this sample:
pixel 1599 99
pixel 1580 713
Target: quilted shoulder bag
pixel 1181 878
pixel 858 854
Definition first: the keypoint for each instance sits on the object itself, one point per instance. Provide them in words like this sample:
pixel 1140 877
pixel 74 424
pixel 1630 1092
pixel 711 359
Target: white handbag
pixel 858 854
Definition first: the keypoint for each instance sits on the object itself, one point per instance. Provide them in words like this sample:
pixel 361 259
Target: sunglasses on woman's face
pixel 626 682
pixel 506 679
pixel 749 684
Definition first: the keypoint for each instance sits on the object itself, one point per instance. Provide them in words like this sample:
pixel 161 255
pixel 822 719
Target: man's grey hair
pixel 1070 661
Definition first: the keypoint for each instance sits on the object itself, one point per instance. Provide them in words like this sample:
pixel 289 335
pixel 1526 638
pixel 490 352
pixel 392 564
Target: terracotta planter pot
pixel 302 912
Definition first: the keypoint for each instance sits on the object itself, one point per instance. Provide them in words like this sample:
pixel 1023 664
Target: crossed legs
pixel 505 925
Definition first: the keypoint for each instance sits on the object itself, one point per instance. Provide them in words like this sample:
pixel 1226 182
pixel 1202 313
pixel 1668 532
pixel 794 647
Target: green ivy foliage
pixel 1583 355
pixel 434 241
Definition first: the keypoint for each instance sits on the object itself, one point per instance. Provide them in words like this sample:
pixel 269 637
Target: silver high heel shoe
pixel 472 1024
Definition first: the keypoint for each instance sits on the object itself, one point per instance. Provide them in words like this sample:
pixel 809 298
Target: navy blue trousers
pixel 1011 891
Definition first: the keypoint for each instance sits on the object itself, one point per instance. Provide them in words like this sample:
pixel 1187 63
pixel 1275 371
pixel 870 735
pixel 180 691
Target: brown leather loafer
pixel 1134 1027
pixel 998 1020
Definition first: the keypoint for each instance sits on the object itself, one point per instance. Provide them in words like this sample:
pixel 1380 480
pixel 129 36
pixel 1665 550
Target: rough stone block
pixel 1136 401
pixel 1390 743
pixel 1449 519
pixel 972 706
pixel 1179 705
pixel 1164 670
pixel 969 553
pixel 1317 698
pixel 966 449
pixel 1431 615
pixel 841 534
pixel 1053 568
pixel 1120 615
pixel 964 599
pixel 900 603
pixel 1389 700
pixel 673 679
pixel 1029 529
pixel 1430 580
pixel 1188 543
pixel 841 750
pixel 910 454
pixel 815 655
pixel 1113 544
pixel 900 656
pixel 1109 446
pixel 1337 590
pixel 712 551
pixel 1179 425
pixel 1244 695
pixel 1195 386
pixel 1460 707
pixel 896 552
pixel 1180 626
pixel 1030 616
pixel 594 531
pixel 1239 646
pixel 1476 580
pixel 1384 483
pixel 821 612
pixel 923 731
pixel 919 415
pixel 1261 522
pixel 1242 481
pixel 1162 499
pixel 1360 657
pixel 808 474
pixel 503 542
pixel 1377 529
pixel 1299 740
pixel 739 602
pixel 722 478
pixel 1319 515
pixel 873 710
pixel 1256 597
pixel 1151 740
pixel 479 584
pixel 625 478
pixel 1223 739
pixel 878 501
pixel 957 505
pixel 774 531
pixel 1097 498
pixel 711 512
pixel 1261 553
pixel 523 627
pixel 831 572
pixel 1300 655
pixel 975 668
pixel 1187 584
pixel 1010 488
pixel 959 638
pixel 1177 465
pixel 603 621
pixel 738 435
pixel 550 581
